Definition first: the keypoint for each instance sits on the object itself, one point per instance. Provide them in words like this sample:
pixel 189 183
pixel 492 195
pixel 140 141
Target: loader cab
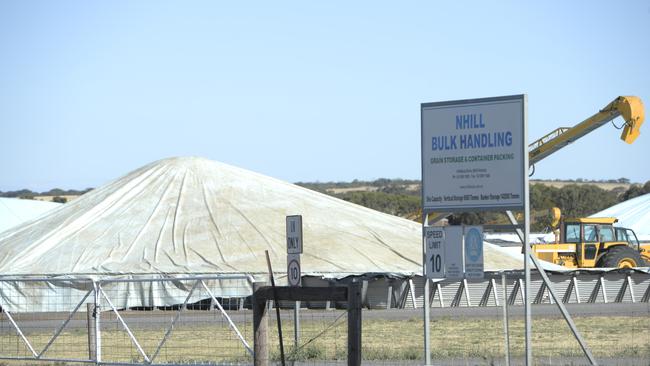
pixel 627 235
pixel 591 237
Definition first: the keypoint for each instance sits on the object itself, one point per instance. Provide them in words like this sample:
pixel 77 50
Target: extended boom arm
pixel 631 108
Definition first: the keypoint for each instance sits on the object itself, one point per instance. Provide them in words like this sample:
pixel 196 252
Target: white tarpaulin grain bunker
pixel 15 211
pixel 633 214
pixel 193 216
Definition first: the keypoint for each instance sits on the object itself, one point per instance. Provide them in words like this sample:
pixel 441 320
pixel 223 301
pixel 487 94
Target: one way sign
pixel 294 234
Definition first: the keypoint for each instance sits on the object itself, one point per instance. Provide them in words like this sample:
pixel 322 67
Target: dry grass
pixel 397 340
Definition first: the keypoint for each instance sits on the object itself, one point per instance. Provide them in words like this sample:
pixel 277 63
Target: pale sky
pixel 303 91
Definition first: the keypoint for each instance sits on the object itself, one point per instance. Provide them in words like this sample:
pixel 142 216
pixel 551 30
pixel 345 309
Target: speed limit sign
pixel 434 255
pixel 293 269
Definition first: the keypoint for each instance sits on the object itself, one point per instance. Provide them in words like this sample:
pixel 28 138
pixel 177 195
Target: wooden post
pixel 263 294
pixel 354 324
pixel 92 332
pixel 260 328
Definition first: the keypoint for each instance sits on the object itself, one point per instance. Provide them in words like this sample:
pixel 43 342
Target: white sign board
pixel 473 154
pixel 454 252
pixel 294 234
pixel 293 269
pixel 434 238
pixel 473 248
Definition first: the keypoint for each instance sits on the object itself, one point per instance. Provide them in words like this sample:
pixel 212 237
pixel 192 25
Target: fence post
pixel 90 321
pixel 354 324
pixel 260 329
pixel 98 325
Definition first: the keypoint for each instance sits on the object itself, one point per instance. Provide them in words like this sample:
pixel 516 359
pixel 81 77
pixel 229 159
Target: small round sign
pixel 293 273
pixel 473 244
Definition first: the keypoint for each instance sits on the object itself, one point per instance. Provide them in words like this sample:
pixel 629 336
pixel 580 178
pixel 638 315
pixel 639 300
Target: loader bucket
pixel 631 109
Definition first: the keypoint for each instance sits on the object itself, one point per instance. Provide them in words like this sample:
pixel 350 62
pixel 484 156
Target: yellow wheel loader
pixel 593 242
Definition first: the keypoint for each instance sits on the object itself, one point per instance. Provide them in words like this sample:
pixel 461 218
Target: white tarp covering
pixel 192 215
pixel 15 211
pixel 184 216
pixel 633 214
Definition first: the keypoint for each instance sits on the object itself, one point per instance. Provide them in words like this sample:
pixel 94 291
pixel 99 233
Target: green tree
pixel 59 199
pixel 635 191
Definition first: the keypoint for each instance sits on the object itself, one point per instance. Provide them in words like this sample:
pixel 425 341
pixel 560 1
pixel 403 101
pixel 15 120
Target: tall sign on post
pixel 474 158
pixel 294 249
pixel 294 272
pixel 473 155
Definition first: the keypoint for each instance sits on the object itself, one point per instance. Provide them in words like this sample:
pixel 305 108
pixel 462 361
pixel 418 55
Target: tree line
pixel 397 197
pixel 29 194
pixel 402 197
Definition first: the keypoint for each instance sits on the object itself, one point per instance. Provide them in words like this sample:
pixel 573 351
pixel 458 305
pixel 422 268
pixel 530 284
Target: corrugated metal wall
pixel 381 292
pixel 583 287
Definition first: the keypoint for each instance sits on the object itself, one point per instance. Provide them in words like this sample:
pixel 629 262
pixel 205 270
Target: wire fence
pixel 208 320
pixel 130 321
pixel 318 336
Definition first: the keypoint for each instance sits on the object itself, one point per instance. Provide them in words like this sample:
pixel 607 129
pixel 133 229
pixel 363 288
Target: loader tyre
pixel 621 257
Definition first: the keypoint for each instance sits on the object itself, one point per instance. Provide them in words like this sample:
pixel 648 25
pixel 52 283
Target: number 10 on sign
pixel 293 270
pixel 434 255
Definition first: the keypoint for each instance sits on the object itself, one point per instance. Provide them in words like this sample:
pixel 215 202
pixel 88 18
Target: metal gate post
pixel 90 323
pixel 98 324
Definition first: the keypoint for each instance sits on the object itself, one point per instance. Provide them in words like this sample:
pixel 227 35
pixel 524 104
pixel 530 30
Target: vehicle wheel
pixel 621 257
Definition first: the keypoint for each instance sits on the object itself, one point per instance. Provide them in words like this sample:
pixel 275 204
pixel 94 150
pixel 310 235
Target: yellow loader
pixel 592 242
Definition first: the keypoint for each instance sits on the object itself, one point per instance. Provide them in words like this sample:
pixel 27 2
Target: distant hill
pixel 619 187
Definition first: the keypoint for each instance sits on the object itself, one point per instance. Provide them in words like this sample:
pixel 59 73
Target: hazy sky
pixel 303 91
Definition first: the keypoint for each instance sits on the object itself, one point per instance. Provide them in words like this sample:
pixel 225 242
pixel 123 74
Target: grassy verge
pixel 394 340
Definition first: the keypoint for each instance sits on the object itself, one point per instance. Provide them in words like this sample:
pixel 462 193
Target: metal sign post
pixel 526 201
pixel 294 273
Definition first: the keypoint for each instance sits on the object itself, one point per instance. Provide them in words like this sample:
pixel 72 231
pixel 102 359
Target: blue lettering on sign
pixel 471 140
pixel 443 143
pixel 466 121
pixel 483 140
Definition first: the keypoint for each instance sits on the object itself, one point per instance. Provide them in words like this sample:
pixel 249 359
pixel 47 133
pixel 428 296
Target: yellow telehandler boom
pixel 630 107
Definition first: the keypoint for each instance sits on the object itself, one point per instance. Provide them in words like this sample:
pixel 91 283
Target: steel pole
pixel 506 327
pixel 527 308
pixel 427 309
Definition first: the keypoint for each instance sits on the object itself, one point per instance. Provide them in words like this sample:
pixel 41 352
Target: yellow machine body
pixel 593 242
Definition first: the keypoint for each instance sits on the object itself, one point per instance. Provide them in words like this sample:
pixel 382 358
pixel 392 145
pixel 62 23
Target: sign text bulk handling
pixel 471 140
